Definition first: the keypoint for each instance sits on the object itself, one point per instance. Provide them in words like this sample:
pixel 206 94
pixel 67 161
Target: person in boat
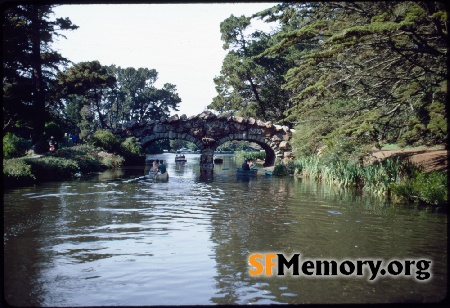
pixel 155 166
pixel 245 165
pixel 251 164
pixel 161 167
pixel 180 158
pixel 154 169
pixel 162 174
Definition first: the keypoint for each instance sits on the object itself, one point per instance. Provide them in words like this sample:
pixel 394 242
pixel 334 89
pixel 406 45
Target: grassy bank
pixel 242 155
pixel 66 163
pixel 393 177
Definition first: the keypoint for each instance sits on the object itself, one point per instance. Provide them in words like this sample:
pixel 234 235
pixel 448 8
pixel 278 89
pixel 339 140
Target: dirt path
pixel 429 159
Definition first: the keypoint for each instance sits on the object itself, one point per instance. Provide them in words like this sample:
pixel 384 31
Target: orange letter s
pixel 257 266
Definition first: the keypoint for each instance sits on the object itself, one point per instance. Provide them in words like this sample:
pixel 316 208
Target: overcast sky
pixel 181 41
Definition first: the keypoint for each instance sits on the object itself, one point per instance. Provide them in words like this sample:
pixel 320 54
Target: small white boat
pixel 184 150
pixel 158 177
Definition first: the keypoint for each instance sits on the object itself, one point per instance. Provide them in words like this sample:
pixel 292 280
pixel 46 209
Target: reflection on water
pixel 117 238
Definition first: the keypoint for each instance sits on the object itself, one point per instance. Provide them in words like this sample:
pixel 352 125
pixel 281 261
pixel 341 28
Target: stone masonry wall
pixel 209 131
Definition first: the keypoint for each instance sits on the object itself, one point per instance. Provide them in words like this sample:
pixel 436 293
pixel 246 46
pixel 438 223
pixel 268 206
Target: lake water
pixel 117 238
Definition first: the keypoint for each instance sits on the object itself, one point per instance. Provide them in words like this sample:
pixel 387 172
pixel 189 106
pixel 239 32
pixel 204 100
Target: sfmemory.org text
pixel 270 264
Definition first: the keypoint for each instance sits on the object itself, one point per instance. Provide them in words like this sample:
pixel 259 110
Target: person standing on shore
pixel 74 139
pixel 53 144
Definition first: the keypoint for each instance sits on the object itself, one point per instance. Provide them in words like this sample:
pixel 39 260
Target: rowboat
pixel 158 177
pixel 184 150
pixel 180 159
pixel 250 172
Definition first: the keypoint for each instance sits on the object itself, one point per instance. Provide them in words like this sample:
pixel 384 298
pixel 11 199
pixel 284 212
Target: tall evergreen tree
pixel 249 85
pixel 91 82
pixel 143 100
pixel 377 71
pixel 29 64
pixel 107 96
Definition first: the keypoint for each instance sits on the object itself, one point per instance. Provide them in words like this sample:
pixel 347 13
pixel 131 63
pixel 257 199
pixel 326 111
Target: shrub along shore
pixel 393 177
pixel 66 163
pixel 104 151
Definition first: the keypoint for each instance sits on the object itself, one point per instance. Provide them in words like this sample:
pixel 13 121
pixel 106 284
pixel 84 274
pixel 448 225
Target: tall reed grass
pixel 241 155
pixel 376 177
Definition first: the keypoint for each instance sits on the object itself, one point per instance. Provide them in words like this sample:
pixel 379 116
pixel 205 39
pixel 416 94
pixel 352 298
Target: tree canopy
pixel 363 73
pixel 29 64
pixel 248 85
pixel 344 74
pixel 40 85
pixel 104 97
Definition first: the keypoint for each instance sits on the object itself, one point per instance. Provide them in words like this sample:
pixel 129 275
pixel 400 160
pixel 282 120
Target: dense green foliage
pixel 86 157
pixel 105 97
pixel 40 87
pixel 357 73
pixel 429 188
pixel 280 170
pixel 17 172
pixel 53 129
pixel 344 173
pixel 65 163
pixel 241 155
pixel 388 177
pixel 384 66
pixel 14 146
pixel 247 85
pixel 128 148
pixel 106 140
pixel 52 168
pixel 29 66
pixel 87 82
pixel 131 151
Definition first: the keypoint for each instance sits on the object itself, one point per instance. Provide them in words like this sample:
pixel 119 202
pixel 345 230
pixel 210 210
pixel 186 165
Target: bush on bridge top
pixel 106 140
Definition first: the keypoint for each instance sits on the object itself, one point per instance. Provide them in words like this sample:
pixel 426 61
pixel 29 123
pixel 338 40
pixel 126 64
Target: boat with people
pixel 251 172
pixel 156 176
pixel 159 171
pixel 218 160
pixel 180 159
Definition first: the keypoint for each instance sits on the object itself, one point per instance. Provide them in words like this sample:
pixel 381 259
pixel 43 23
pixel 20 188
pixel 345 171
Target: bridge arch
pixel 208 131
pixel 270 152
pixel 149 139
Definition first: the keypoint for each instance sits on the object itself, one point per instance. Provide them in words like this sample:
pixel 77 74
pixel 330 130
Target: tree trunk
pixel 97 98
pixel 38 83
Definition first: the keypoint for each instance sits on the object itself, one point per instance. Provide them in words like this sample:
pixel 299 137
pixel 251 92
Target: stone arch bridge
pixel 209 131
